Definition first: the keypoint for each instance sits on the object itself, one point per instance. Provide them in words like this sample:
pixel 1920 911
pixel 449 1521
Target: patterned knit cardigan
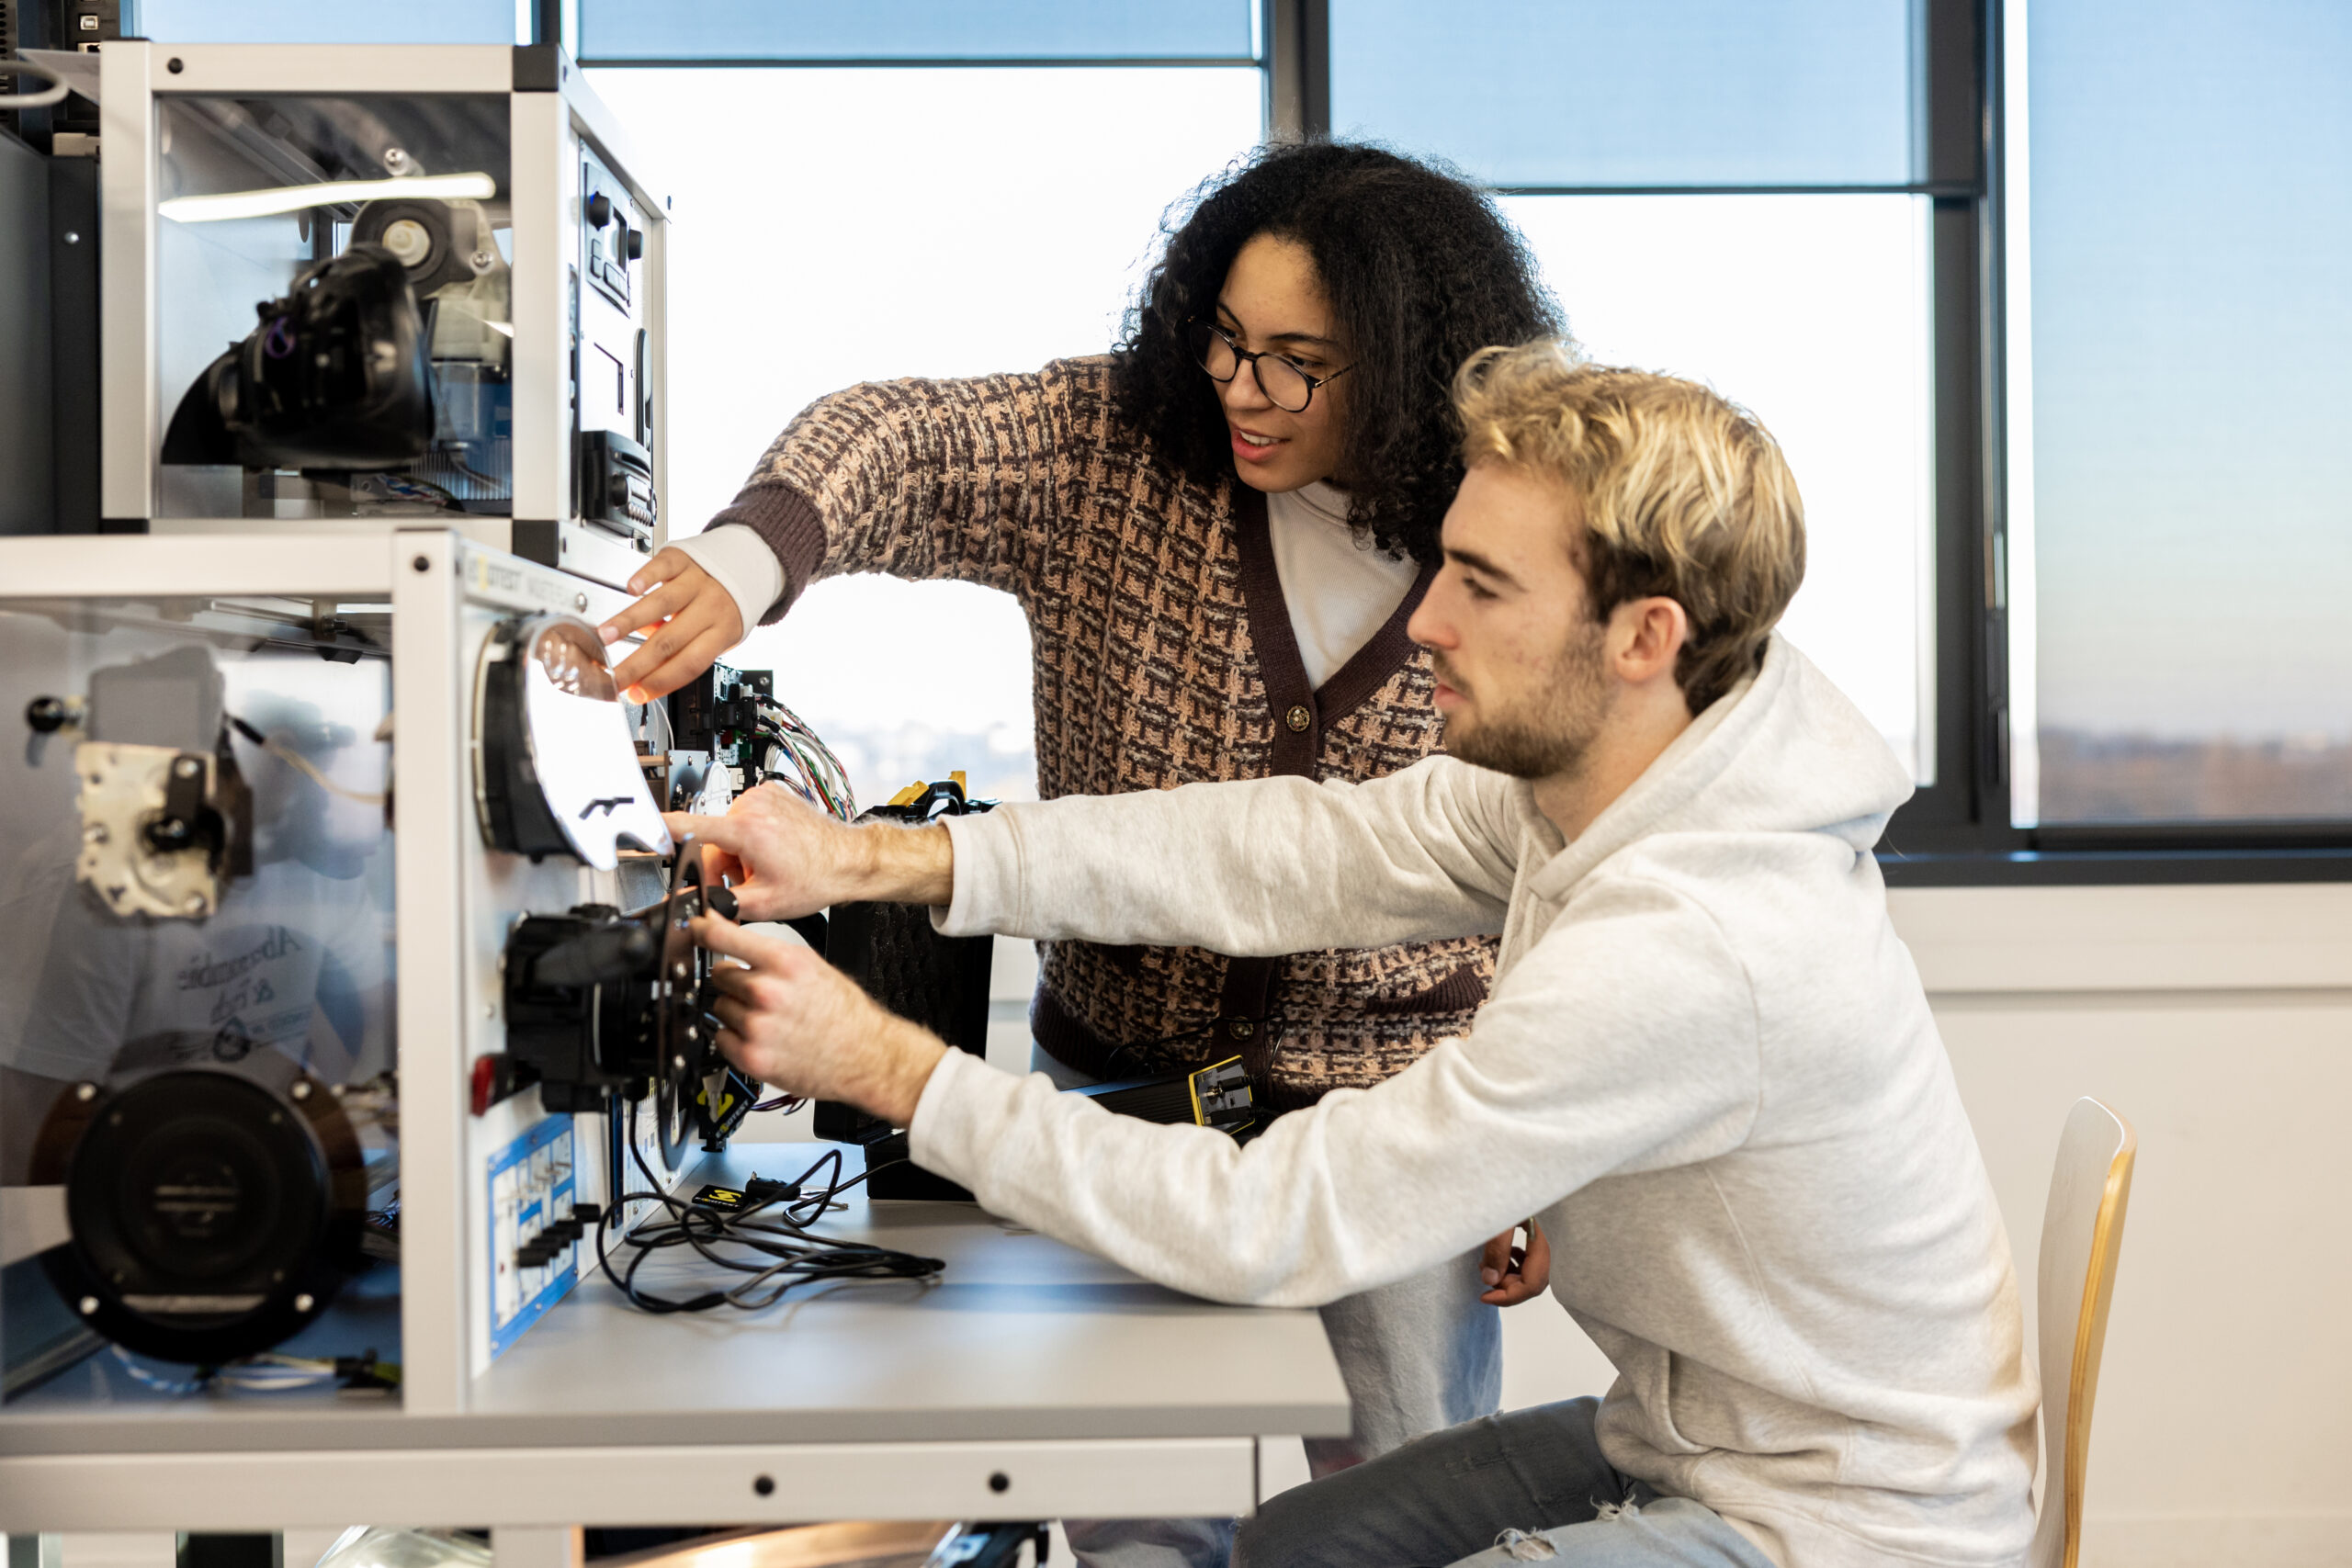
pixel 1163 656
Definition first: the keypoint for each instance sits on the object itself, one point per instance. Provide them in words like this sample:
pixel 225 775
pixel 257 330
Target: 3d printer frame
pixel 556 123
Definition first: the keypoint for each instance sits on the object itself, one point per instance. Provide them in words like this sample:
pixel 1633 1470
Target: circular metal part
pixel 207 1217
pixel 678 1011
pixel 410 241
pixel 556 769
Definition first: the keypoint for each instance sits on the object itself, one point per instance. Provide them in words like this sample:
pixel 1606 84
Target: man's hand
pixel 787 859
pixel 792 1019
pixel 1514 1274
pixel 689 620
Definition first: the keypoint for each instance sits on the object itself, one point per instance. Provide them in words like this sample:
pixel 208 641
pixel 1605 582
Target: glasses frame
pixel 1242 357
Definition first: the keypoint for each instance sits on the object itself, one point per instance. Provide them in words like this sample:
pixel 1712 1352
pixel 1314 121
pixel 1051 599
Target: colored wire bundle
pixel 814 773
pixel 767 1241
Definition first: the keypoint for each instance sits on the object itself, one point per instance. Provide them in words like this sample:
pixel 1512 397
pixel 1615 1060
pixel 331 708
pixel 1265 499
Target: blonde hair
pixel 1685 496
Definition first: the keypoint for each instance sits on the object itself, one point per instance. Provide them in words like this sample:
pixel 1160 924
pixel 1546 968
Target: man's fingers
pixel 735 1048
pixel 730 1012
pixel 1538 1266
pixel 722 935
pixel 707 832
pixel 1494 1259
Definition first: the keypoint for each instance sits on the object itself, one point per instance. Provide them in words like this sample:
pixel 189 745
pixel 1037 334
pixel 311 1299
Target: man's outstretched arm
pixel 1627 1031
pixel 1265 866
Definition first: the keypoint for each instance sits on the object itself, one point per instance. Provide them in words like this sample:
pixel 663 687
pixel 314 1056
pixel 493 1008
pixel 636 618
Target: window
pixel 835 226
pixel 1747 263
pixel 2044 299
pixel 2181 476
pixel 309 22
pixel 1668 93
pixel 938 30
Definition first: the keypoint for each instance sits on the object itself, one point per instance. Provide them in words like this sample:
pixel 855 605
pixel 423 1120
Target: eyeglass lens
pixel 1284 384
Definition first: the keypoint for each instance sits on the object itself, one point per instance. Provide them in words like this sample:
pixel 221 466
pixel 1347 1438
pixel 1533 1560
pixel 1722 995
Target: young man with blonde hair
pixel 1706 1065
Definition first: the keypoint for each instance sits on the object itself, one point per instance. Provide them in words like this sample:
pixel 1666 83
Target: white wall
pixel 2219 1021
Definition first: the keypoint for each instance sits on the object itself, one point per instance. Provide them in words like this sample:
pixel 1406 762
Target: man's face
pixel 1522 680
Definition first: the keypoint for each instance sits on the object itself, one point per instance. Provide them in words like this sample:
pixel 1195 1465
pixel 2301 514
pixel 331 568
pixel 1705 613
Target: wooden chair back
pixel 2081 1232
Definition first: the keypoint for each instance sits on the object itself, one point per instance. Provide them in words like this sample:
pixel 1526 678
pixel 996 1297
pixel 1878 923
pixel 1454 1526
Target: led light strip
pixel 298 199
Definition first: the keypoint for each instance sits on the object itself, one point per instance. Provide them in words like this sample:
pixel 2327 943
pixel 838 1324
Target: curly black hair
pixel 1423 272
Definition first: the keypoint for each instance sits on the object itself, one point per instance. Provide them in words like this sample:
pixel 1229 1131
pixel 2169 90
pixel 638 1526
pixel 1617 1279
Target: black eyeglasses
pixel 1287 386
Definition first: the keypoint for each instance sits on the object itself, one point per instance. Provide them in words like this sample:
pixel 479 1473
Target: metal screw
pixel 187 767
pixel 196 905
pixel 482 260
pixel 85 1092
pixel 422 564
pixel 301 1090
pixel 679 969
pixel 304 1302
pixel 677 1064
pixel 764 1485
pixel 175 65
pixel 579 601
pixel 1000 1482
pixel 88 1306
pixel 96 833
pixel 693 1032
pixel 72 236
pixel 395 159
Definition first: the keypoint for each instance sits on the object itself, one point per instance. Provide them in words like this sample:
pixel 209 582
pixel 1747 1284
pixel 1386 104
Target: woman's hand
pixel 789 1019
pixel 1514 1274
pixel 688 617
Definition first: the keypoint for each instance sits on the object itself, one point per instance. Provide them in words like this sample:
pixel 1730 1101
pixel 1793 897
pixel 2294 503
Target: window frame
pixel 1956 832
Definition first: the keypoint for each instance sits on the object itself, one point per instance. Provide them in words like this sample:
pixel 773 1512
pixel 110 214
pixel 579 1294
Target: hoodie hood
pixel 1785 752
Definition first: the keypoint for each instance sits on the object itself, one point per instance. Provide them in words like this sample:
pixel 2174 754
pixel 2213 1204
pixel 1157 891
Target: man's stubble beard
pixel 1551 730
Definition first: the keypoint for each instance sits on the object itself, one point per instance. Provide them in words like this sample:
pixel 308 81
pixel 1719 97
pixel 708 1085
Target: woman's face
pixel 1272 303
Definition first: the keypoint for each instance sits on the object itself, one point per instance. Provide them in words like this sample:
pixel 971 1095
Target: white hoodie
pixel 1706 1064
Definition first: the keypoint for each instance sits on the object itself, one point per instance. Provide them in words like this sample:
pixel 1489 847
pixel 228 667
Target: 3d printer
pixel 357 285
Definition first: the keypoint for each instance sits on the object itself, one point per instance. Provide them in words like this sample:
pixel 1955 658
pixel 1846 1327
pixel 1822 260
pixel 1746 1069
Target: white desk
pixel 1031 1381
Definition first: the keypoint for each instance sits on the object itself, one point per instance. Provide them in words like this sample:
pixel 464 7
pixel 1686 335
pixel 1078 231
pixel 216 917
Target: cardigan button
pixel 1298 718
pixel 1239 1028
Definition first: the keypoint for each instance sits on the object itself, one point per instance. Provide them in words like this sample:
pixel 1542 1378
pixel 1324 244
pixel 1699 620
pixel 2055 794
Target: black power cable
pixel 785 1254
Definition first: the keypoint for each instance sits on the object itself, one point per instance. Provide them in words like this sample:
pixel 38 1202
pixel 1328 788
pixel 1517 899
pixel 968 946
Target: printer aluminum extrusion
pixel 339 679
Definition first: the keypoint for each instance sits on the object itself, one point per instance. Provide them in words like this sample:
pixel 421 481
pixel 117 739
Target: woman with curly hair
pixel 1217 532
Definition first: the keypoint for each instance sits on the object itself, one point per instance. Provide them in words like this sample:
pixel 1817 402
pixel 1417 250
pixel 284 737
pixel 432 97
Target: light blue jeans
pixel 1417 1356
pixel 1528 1486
